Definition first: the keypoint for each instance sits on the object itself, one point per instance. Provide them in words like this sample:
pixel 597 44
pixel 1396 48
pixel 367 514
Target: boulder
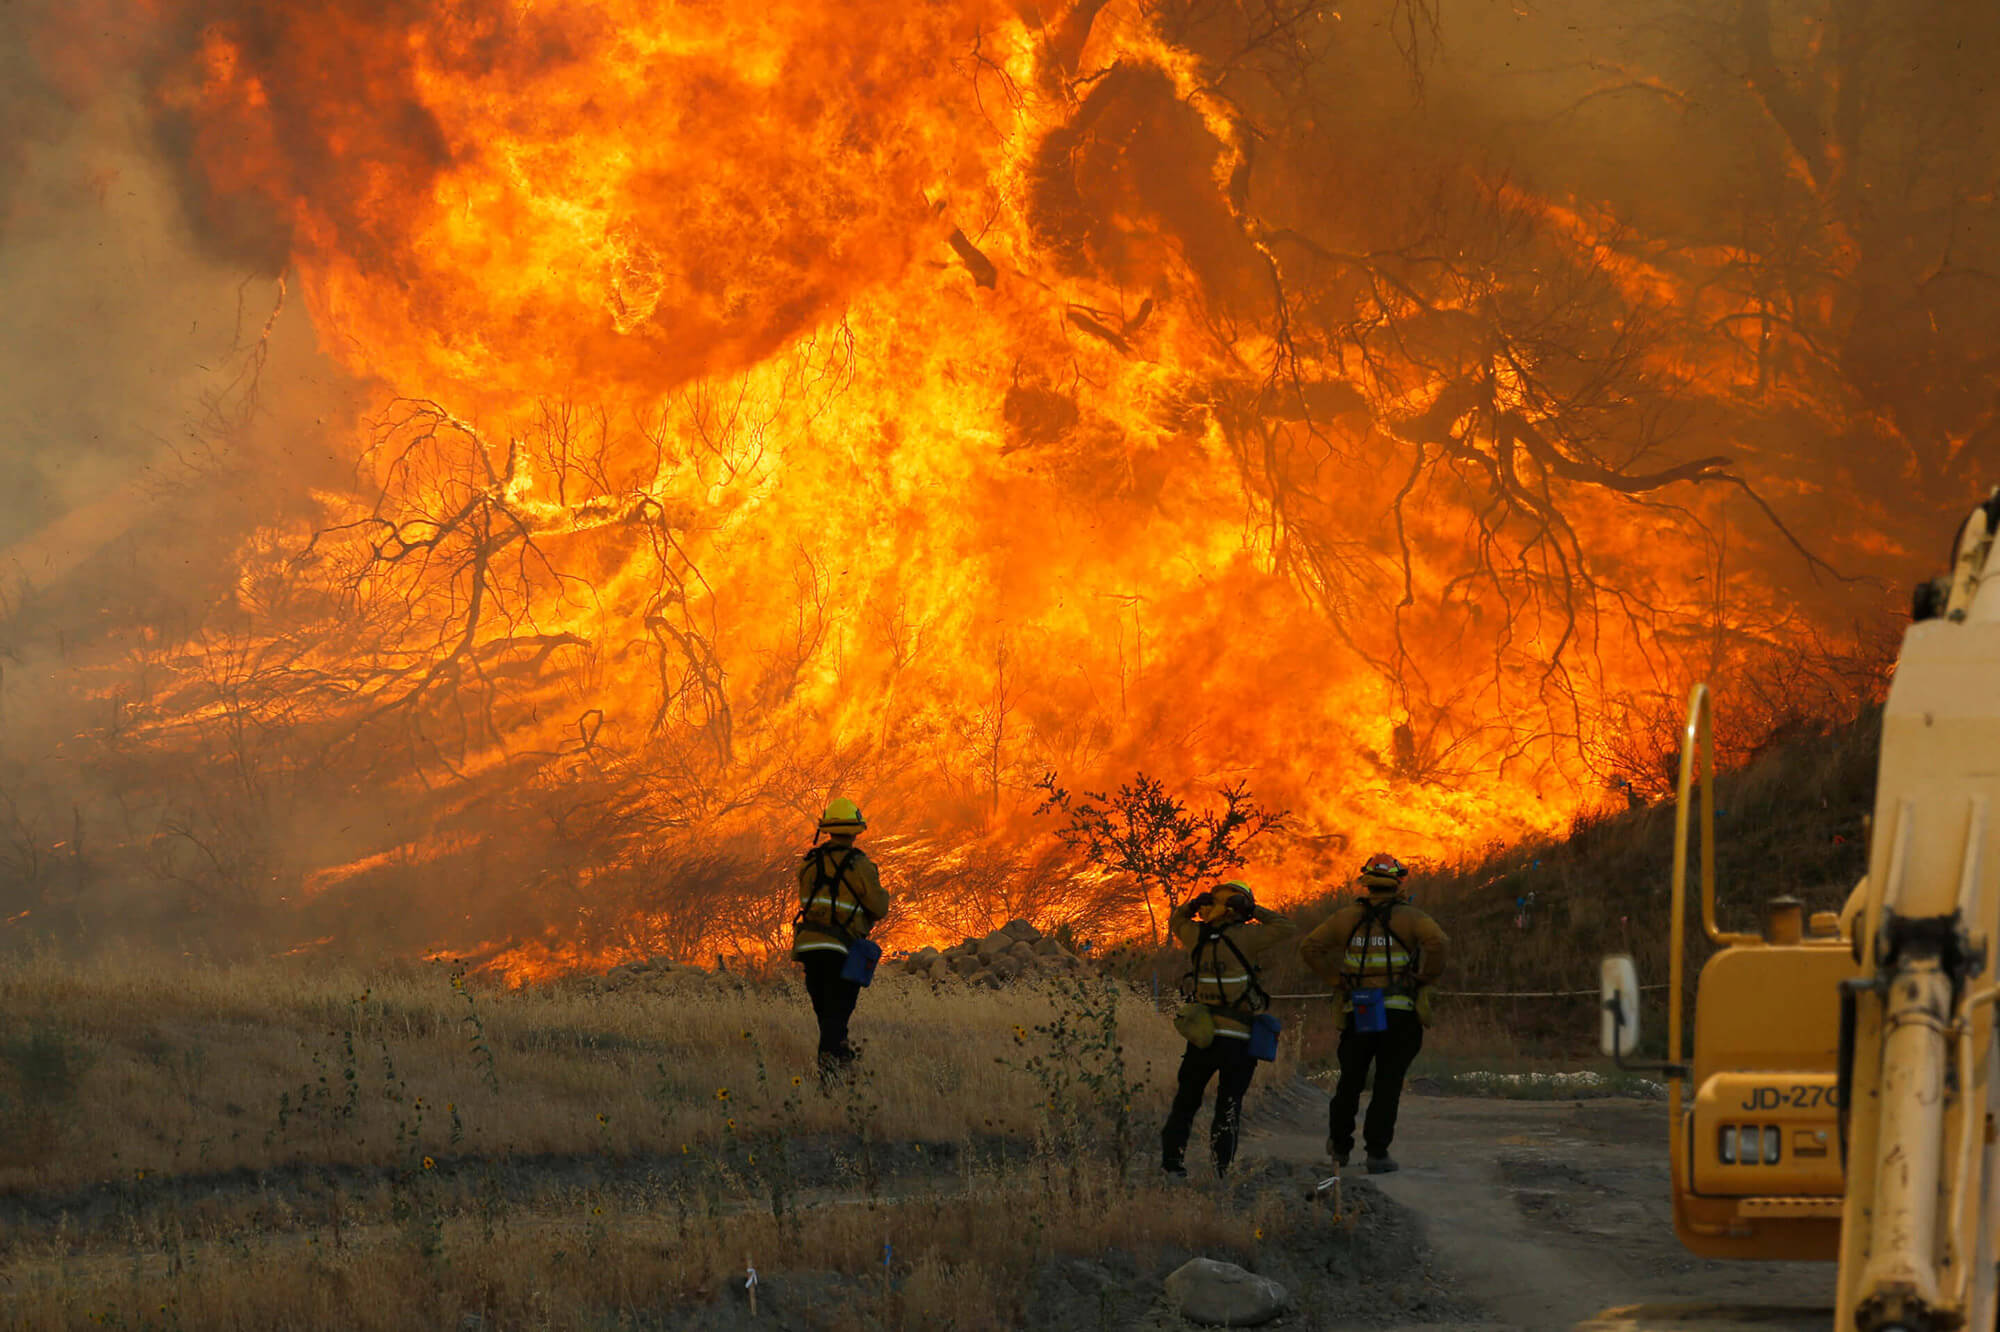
pixel 1022 949
pixel 1021 929
pixel 965 964
pixel 997 942
pixel 1047 947
pixel 925 956
pixel 1219 1294
pixel 966 949
pixel 1004 967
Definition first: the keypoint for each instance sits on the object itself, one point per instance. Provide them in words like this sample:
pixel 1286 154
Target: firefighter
pixel 1381 953
pixel 1225 931
pixel 840 899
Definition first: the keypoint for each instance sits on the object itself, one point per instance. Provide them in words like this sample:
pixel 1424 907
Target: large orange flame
pixel 910 399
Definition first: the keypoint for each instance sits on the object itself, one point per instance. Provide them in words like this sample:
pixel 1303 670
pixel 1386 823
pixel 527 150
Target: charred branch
pixel 982 269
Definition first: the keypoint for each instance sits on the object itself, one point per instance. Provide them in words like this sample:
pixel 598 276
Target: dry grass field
pixel 303 1146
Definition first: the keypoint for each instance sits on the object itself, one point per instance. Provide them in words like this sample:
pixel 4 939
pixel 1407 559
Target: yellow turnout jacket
pixel 840 899
pixel 1224 976
pixel 1400 950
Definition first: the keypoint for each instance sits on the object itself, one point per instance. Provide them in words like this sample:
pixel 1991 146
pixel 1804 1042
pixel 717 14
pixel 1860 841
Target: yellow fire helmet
pixel 842 816
pixel 1384 873
pixel 1226 896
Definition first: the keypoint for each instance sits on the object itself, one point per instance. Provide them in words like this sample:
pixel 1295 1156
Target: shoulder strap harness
pixel 1256 999
pixel 830 880
pixel 1373 915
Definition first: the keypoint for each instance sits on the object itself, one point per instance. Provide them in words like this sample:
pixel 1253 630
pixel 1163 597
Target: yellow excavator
pixel 1844 1090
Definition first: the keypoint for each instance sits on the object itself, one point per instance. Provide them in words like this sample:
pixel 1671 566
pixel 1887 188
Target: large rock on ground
pixel 1219 1294
pixel 1017 951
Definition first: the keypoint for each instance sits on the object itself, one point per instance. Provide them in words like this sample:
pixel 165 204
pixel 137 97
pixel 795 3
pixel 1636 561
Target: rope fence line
pixel 1484 994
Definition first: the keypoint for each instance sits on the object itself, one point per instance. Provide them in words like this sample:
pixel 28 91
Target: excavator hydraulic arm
pixel 1918 1074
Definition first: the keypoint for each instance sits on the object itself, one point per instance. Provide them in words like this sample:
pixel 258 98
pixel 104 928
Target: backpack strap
pixel 1384 916
pixel 1211 935
pixel 1260 998
pixel 832 881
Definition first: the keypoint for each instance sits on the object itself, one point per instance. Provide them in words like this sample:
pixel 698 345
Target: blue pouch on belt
pixel 1264 1031
pixel 862 955
pixel 1371 1009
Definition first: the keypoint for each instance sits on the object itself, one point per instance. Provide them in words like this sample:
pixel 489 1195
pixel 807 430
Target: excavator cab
pixel 1755 1116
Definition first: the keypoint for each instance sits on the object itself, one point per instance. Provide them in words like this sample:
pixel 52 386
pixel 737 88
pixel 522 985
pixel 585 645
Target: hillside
pixel 1793 820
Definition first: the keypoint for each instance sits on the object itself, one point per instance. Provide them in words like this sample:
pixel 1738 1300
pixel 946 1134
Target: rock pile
pixel 659 974
pixel 1015 951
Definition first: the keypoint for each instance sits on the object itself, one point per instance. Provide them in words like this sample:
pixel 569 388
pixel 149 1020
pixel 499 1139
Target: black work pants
pixel 1391 1052
pixel 1231 1059
pixel 833 1002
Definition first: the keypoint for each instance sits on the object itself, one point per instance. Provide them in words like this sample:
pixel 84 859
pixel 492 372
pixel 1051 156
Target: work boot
pixel 1173 1170
pixel 834 1065
pixel 1381 1165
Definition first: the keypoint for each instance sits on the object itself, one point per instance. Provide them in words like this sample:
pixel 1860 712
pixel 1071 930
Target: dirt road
pixel 1544 1213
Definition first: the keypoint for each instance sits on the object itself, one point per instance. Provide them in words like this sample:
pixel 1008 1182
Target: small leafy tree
pixel 1154 839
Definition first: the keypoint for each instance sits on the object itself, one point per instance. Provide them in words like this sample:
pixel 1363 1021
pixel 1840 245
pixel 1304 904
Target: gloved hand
pixel 1200 900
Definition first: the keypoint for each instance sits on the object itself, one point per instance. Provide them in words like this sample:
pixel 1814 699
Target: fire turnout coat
pixel 1400 959
pixel 840 899
pixel 1225 978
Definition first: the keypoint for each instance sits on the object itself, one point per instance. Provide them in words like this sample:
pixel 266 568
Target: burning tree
pixel 1153 839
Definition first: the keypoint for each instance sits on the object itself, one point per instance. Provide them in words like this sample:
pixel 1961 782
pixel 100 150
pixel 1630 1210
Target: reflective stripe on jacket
pixel 1410 954
pixel 840 903
pixel 1222 981
pixel 1375 956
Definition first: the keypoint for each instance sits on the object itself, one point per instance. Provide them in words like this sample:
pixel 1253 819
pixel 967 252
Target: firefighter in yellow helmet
pixel 1225 931
pixel 840 899
pixel 1381 954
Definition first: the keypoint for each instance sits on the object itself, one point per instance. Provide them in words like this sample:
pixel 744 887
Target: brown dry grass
pixel 192 1067
pixel 406 1151
pixel 958 1262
